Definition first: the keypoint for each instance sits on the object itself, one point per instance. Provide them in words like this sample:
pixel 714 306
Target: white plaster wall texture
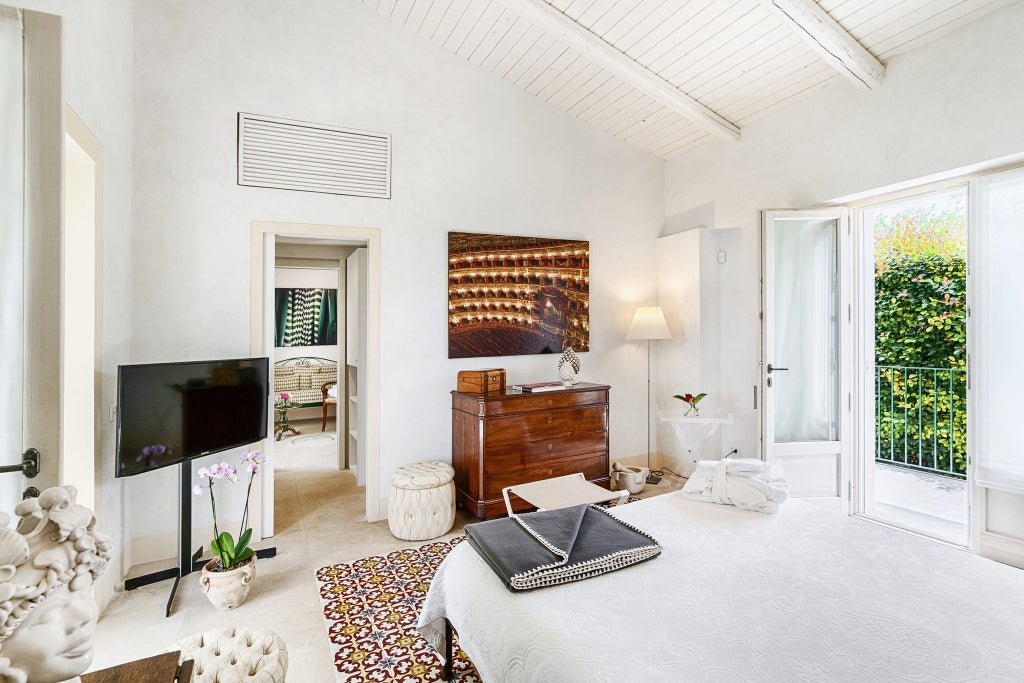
pixel 950 104
pixel 471 152
pixel 97 42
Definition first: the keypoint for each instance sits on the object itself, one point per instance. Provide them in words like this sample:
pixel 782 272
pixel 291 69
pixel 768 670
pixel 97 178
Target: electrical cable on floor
pixel 661 471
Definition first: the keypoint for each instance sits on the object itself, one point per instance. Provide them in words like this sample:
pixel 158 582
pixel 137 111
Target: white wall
pixel 952 103
pixel 471 152
pixel 97 75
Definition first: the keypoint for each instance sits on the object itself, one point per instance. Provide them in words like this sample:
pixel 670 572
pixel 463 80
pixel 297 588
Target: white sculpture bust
pixel 47 569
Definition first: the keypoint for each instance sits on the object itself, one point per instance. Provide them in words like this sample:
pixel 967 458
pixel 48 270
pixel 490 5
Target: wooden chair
pixel 324 388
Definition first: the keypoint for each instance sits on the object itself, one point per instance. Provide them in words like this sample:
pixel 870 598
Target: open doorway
pixel 316 321
pixel 82 310
pixel 914 343
pixel 315 314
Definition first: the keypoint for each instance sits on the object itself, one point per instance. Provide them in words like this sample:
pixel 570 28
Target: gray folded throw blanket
pixel 550 547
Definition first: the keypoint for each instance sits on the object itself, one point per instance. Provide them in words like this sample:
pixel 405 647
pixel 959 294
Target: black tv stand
pixel 188 561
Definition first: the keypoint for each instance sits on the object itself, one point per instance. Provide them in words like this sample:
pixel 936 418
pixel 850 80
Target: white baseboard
pixel 164 546
pixel 1002 548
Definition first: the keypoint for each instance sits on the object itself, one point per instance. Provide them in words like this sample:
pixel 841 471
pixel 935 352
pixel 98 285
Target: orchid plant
pixel 691 401
pixel 283 398
pixel 229 551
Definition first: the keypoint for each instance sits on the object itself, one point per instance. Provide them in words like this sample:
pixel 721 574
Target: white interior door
pixel 31 137
pixel 267 487
pixel 805 338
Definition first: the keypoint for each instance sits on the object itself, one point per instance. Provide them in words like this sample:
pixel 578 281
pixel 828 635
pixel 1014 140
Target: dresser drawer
pixel 534 426
pixel 545 400
pixel 592 467
pixel 514 456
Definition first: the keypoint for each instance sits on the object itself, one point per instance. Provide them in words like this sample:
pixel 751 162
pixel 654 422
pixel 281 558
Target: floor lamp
pixel 648 323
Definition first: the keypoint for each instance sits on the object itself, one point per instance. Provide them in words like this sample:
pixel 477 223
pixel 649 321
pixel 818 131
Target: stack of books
pixel 538 387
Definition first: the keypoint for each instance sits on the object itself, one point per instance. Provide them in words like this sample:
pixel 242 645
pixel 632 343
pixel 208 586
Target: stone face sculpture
pixel 47 568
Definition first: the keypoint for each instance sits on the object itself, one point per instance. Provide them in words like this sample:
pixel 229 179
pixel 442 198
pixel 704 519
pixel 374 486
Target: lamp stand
pixel 651 478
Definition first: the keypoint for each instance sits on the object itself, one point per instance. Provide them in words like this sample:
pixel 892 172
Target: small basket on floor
pixel 235 655
pixel 421 504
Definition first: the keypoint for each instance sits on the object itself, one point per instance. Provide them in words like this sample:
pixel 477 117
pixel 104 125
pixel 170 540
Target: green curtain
pixel 327 325
pixel 306 317
pixel 280 315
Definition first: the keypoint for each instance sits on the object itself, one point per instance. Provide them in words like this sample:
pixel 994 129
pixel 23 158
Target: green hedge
pixel 921 322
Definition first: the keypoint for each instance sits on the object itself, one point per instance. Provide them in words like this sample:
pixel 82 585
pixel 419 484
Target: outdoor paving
pixel 929 503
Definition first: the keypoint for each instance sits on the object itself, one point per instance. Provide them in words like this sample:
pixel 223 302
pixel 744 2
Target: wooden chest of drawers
pixel 505 438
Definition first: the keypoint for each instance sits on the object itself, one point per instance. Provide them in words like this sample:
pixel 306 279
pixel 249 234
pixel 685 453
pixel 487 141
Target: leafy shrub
pixel 921 322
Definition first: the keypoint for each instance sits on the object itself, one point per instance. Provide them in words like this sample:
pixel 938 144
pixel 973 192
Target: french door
pixel 805 336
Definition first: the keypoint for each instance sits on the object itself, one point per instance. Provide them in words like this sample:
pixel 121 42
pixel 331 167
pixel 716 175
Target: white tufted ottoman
pixel 421 504
pixel 235 655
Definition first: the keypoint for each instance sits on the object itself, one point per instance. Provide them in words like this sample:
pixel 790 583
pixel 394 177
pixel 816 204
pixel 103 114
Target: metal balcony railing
pixel 921 418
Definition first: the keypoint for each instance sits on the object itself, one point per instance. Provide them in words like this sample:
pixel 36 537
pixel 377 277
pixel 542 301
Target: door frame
pixel 77 130
pixel 370 393
pixel 864 394
pixel 844 366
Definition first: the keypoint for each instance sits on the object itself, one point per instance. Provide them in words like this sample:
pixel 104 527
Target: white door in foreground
pixel 30 396
pixel 804 326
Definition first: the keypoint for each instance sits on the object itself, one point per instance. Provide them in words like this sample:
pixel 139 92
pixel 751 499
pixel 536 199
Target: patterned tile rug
pixel 371 607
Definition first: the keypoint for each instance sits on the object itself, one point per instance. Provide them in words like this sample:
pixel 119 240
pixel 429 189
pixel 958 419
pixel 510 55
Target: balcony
pixel 921 418
pixel 920 469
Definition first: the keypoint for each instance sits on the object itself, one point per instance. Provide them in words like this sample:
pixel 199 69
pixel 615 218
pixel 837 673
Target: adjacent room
pixel 511 340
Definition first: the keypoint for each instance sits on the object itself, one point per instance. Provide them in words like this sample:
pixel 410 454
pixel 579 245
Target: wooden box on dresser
pixel 506 438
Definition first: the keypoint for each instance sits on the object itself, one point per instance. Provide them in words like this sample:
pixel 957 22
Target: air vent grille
pixel 313 157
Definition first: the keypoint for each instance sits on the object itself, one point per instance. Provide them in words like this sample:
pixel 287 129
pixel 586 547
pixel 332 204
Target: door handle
pixel 772 368
pixel 29 465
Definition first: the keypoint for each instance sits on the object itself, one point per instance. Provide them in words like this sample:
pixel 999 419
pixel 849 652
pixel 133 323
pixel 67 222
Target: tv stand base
pixel 176 574
pixel 188 561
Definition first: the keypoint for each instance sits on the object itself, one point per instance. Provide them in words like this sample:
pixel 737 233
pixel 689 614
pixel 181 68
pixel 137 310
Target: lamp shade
pixel 648 323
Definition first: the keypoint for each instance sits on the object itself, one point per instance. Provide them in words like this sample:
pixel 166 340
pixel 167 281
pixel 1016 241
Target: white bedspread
pixel 804 595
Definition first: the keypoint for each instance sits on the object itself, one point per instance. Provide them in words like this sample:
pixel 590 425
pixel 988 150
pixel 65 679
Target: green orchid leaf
pixel 243 540
pixel 227 544
pixel 244 555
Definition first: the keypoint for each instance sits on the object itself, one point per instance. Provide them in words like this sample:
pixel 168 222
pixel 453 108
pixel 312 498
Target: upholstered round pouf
pixel 235 655
pixel 421 504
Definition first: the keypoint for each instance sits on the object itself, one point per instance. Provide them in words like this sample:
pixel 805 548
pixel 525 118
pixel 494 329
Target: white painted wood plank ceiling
pixel 740 59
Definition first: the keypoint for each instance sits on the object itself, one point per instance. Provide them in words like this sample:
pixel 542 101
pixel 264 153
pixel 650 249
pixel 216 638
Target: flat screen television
pixel 172 412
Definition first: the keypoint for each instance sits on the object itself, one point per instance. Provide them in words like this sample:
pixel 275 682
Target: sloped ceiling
pixel 735 59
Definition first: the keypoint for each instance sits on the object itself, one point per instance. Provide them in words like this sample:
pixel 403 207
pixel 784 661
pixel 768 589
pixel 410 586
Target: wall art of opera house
pixel 512 296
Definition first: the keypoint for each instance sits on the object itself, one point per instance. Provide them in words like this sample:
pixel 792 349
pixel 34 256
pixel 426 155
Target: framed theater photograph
pixel 514 296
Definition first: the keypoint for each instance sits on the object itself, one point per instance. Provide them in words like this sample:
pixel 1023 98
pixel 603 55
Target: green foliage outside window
pixel 921 322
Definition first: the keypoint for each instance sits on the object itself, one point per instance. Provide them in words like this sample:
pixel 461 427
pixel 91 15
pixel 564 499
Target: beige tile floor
pixel 319 516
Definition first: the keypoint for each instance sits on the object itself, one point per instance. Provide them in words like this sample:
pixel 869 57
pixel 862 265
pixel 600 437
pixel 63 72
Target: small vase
pixel 227 590
pixel 569 367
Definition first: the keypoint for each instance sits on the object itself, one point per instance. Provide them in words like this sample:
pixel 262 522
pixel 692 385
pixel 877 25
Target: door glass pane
pixel 12 187
pixel 1000 289
pixel 805 329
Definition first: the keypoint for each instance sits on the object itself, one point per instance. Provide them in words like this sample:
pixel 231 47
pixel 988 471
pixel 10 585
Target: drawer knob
pixel 550 402
pixel 551 446
pixel 550 472
pixel 550 420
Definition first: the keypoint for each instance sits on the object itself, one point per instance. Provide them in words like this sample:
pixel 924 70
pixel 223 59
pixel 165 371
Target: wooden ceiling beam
pixel 545 17
pixel 830 40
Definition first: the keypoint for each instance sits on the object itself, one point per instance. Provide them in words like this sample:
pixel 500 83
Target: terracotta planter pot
pixel 227 590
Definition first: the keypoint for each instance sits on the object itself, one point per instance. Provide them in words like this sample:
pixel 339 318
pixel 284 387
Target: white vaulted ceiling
pixel 734 60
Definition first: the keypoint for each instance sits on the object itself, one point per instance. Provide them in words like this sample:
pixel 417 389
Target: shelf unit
pixel 679 418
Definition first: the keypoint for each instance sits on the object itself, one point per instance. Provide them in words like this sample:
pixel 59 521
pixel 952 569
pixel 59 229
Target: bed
pixel 805 594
